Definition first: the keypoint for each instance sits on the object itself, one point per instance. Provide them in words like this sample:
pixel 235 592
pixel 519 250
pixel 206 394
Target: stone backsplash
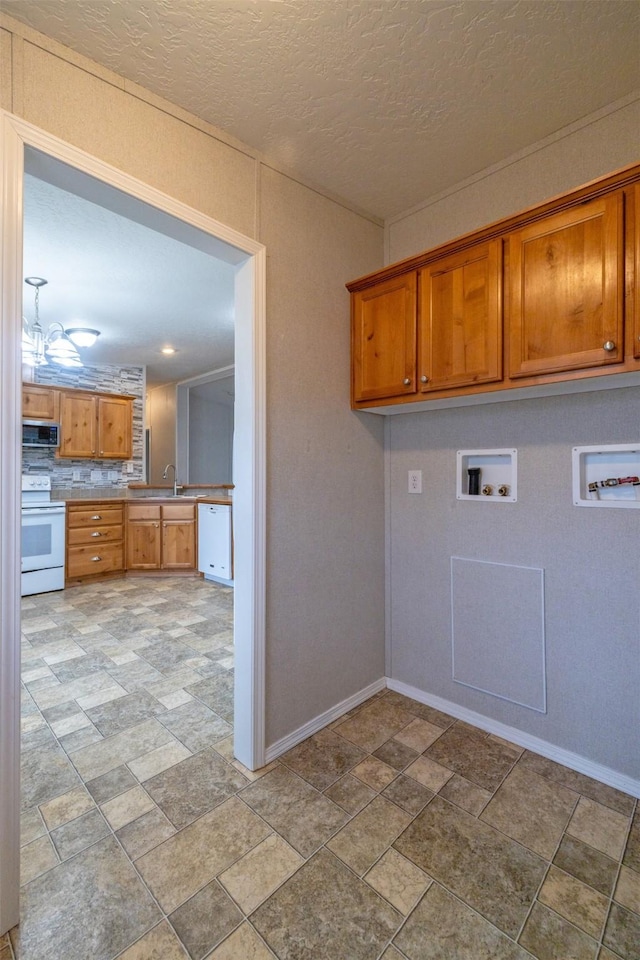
pixel 92 477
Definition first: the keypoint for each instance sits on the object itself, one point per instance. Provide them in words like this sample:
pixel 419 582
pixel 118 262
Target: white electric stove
pixel 43 535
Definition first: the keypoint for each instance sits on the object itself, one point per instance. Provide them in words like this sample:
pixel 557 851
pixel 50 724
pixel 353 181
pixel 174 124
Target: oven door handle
pixel 41 512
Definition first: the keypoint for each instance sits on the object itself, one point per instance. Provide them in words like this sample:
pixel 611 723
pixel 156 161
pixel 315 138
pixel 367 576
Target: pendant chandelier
pixel 54 346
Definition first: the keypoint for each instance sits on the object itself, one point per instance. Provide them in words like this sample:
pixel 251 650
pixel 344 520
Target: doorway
pixel 20 142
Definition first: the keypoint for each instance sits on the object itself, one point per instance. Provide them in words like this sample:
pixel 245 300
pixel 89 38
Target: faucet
pixel 176 485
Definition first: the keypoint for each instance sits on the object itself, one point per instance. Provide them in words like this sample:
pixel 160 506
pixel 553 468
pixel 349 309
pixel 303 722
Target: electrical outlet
pixel 129 466
pixel 415 481
pixel 75 475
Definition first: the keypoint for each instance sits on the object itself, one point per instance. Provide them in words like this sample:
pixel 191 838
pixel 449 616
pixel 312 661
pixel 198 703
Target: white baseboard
pixel 324 719
pixel 568 759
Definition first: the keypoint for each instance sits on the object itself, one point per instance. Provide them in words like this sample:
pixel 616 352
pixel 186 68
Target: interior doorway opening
pixel 27 149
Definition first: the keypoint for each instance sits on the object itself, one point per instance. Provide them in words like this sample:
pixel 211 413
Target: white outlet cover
pixel 415 481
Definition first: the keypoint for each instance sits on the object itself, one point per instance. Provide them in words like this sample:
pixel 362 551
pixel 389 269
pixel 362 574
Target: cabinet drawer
pixel 143 511
pixel 92 516
pixel 95 534
pixel 178 511
pixel 84 561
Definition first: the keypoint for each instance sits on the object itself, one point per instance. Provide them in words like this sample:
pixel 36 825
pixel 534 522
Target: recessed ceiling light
pixel 168 350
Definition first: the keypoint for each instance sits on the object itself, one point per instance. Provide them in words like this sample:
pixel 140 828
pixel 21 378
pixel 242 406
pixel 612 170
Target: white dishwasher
pixel 215 542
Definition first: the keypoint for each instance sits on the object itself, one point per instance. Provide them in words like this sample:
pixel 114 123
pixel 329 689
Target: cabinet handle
pixel 95 559
pixel 156 524
pixel 96 534
pixel 608 345
pixel 97 517
pixel 424 379
pixel 406 381
pixel 102 453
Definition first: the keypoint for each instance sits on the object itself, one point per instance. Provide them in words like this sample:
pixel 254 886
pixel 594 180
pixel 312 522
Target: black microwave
pixel 40 433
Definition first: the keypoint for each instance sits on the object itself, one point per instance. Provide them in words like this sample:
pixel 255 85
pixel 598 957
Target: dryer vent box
pixel 601 468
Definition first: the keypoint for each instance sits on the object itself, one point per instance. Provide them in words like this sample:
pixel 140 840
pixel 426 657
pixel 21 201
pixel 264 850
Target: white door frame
pixel 249 478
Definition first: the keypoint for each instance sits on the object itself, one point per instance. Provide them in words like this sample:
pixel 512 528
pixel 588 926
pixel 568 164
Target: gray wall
pixel 590 557
pixel 211 432
pixel 590 560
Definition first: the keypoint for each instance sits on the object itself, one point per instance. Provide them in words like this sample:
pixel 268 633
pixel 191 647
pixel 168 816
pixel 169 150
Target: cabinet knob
pixel 424 379
pixel 95 559
pixel 156 524
pixel 102 453
pixel 407 381
pixel 608 345
pixel 96 533
pixel 97 517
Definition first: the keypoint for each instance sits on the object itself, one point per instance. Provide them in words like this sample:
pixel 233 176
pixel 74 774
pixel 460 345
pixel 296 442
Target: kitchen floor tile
pixel 443 928
pixel 372 831
pixel 540 822
pixel 548 936
pixel 493 874
pixel 206 919
pixel 600 827
pixel 184 863
pixel 398 880
pixel 93 905
pixel 323 912
pixel 305 818
pixel 575 901
pixel 188 789
pixel 323 759
pixel 452 843
pixel 261 871
pixel 243 944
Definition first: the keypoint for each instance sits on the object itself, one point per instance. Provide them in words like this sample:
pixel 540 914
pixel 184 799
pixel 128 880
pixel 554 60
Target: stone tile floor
pixel 396 833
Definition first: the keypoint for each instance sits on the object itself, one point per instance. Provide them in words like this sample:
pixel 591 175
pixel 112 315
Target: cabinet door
pixel 635 275
pixel 77 426
pixel 114 428
pixel 383 339
pixel 40 403
pixel 143 545
pixel 460 333
pixel 566 304
pixel 178 544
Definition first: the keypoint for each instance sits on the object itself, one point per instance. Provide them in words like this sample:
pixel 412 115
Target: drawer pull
pixel 97 517
pixel 96 533
pixel 95 559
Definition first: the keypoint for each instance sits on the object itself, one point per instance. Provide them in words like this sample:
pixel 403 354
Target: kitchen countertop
pixel 151 499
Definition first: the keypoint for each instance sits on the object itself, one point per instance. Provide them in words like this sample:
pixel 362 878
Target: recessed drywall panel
pixel 497 630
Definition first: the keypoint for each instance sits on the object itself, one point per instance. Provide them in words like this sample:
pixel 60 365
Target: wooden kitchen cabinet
pixel 384 338
pixel 567 290
pixel 40 402
pixel 144 541
pixel 95 540
pixel 161 536
pixel 550 294
pixel 95 426
pixel 460 323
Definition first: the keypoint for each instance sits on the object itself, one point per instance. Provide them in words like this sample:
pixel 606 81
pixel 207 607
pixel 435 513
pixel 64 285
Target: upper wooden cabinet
pixel 567 290
pixel 384 331
pixel 460 330
pixel 97 426
pixel 40 402
pixel 549 294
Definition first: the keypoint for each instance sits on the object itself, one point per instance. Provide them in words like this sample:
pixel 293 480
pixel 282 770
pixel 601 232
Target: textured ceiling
pixel 141 288
pixel 382 102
